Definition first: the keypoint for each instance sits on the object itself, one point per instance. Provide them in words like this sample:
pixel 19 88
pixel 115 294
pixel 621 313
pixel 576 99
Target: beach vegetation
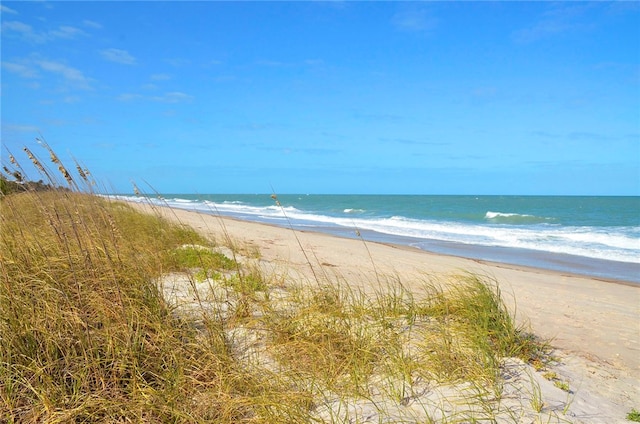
pixel 634 415
pixel 536 399
pixel 197 256
pixel 562 385
pixel 111 314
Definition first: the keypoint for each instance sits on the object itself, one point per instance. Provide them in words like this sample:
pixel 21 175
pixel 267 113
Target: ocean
pixel 597 236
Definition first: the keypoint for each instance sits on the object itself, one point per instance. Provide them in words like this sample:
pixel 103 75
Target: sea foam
pixel 499 229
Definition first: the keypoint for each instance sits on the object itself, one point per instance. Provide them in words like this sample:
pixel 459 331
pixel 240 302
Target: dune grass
pixel 89 335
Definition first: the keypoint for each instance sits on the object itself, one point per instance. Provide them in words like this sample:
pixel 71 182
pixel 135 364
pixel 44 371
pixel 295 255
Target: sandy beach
pixel 594 325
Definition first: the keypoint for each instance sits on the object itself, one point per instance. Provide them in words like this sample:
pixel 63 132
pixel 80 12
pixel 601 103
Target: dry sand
pixel 594 324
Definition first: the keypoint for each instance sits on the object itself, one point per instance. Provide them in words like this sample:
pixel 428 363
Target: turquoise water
pixel 596 236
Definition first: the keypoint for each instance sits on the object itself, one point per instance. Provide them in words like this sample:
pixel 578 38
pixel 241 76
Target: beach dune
pixel 594 325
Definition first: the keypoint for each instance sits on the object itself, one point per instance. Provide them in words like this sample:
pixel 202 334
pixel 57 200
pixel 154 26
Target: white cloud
pixel 225 78
pixel 28 33
pixel 29 69
pixel 414 21
pixel 21 28
pixel 127 97
pixel 71 75
pixel 92 24
pixel 177 62
pixel 272 63
pixel 173 97
pixel 556 20
pixel 540 30
pixel 22 70
pixel 6 9
pixel 21 128
pixel 314 62
pixel 16 26
pixel 118 56
pixel 71 99
pixel 66 32
pixel 282 64
pixel 160 77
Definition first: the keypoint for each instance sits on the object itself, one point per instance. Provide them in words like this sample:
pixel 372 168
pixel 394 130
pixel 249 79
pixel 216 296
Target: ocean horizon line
pixel 269 193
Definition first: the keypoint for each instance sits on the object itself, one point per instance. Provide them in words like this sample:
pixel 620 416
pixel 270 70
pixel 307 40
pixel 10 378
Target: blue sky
pixel 330 97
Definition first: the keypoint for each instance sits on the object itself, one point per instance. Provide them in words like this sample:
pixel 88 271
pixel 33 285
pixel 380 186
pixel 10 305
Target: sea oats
pixel 65 174
pixel 54 157
pixel 35 161
pixel 81 173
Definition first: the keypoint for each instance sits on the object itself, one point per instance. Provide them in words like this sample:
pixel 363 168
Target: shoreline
pixel 603 268
pixel 413 248
pixel 490 262
pixel 515 266
pixel 562 263
pixel 595 318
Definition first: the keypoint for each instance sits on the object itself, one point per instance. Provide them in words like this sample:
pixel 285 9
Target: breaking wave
pixel 516 218
pixel 498 229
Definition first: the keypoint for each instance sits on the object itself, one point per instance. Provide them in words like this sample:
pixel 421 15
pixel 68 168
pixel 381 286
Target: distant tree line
pixel 8 186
